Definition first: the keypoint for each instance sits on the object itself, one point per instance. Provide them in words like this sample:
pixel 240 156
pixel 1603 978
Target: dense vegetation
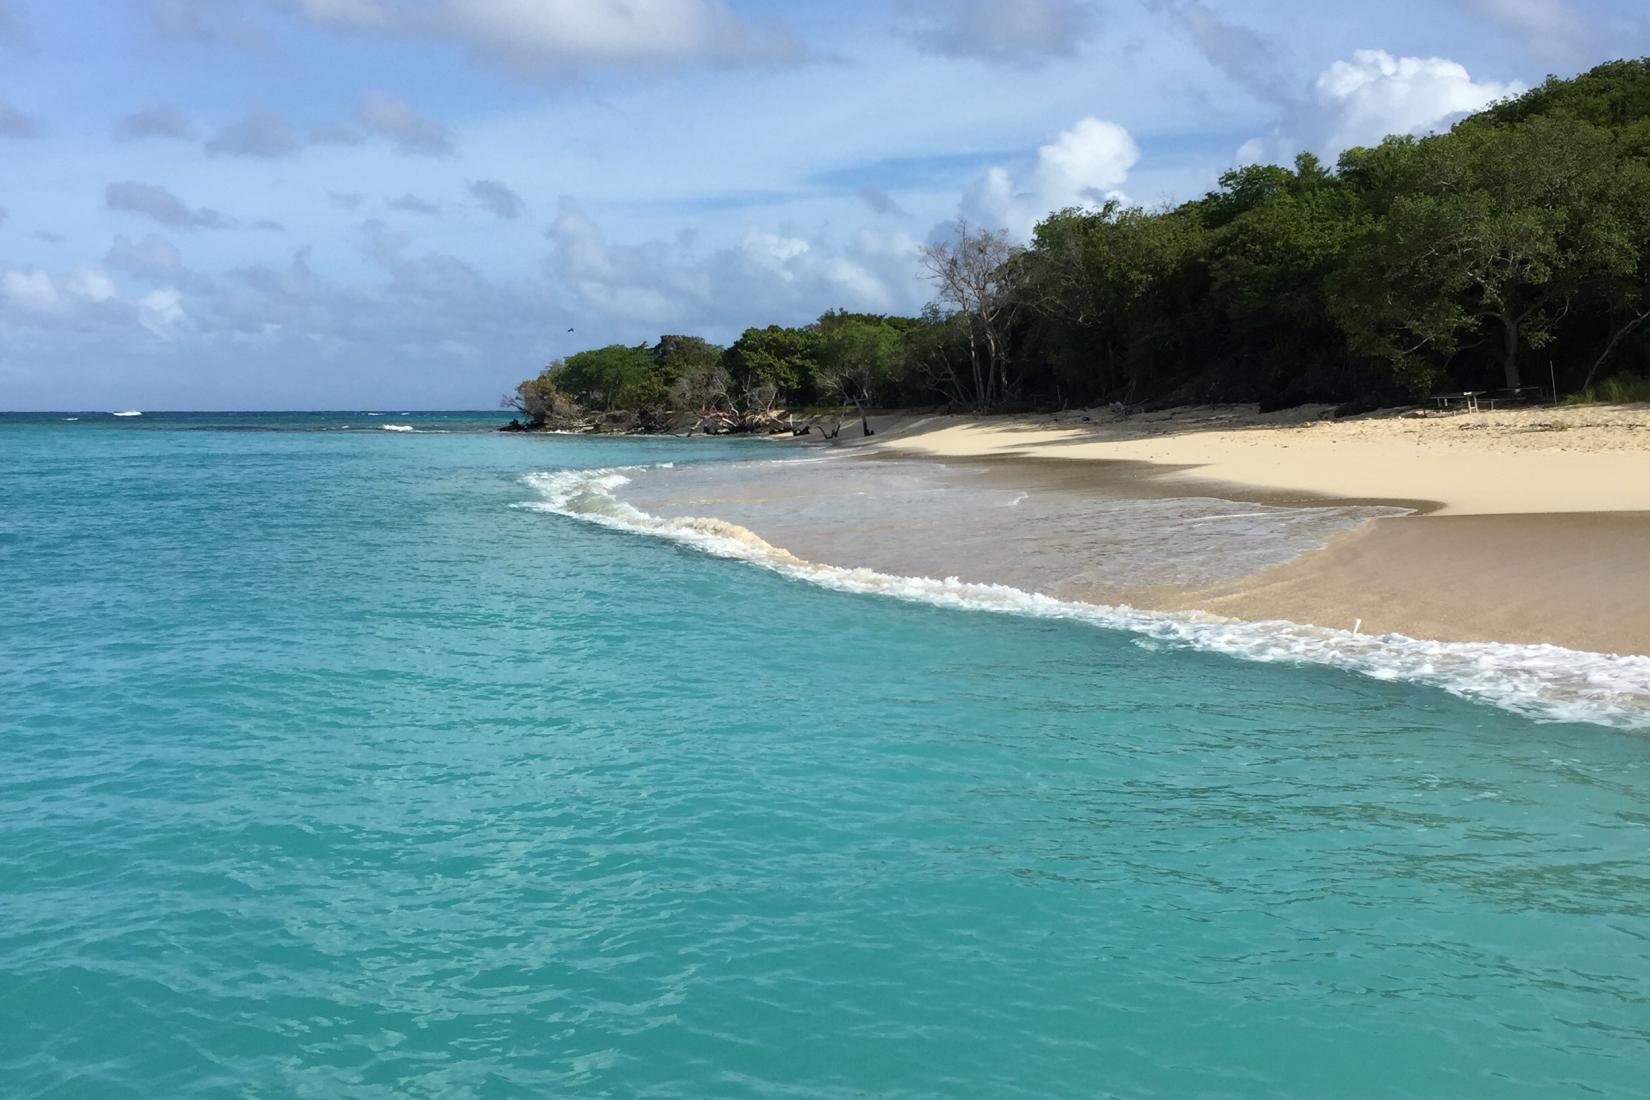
pixel 1513 250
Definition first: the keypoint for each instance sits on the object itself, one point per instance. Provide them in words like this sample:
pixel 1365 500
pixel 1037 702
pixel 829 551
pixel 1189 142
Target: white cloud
pixel 1087 159
pixel 12 34
pixel 410 203
pixel 34 291
pixel 260 133
pixel 532 35
pixel 551 37
pixel 91 283
pixel 410 132
pixel 1083 166
pixel 774 169
pixel 1024 33
pixel 881 202
pixel 364 14
pixel 161 312
pixel 15 124
pixel 1376 94
pixel 333 133
pixel 1551 30
pixel 164 121
pixel 154 259
pixel 1364 99
pixel 1247 57
pixel 154 201
pixel 497 198
pixel 384 246
pixel 207 22
pixel 766 277
pixel 225 338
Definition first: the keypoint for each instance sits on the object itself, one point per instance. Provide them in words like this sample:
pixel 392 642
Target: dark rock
pixel 1359 407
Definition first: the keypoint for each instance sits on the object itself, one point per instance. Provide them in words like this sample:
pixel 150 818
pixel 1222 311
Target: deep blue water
pixel 328 771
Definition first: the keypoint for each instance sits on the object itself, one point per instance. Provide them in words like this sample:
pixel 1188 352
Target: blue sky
pixel 362 203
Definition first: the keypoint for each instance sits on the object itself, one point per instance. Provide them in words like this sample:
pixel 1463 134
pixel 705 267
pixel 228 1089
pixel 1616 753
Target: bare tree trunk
pixel 1610 347
pixel 864 421
pixel 1509 344
pixel 990 365
pixel 980 397
pixel 969 273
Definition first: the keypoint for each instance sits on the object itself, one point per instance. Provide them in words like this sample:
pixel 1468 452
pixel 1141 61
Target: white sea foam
pixel 1544 682
pixel 70 419
pixel 398 427
pixel 127 412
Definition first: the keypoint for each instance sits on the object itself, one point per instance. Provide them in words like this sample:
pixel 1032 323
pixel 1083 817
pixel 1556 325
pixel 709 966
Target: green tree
pixel 690 367
pixel 611 377
pixel 767 364
pixel 1123 294
pixel 1378 175
pixel 674 356
pixel 1498 232
pixel 858 357
pixel 1614 96
pixel 1525 227
pixel 934 358
pixel 1270 265
pixel 540 400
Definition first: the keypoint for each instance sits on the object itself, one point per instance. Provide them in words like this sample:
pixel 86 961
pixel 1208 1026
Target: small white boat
pixel 127 412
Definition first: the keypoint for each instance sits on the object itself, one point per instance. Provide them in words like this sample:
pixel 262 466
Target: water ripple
pixel 325 773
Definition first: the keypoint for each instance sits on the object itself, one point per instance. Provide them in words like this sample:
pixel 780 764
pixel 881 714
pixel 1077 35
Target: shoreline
pixel 1530 526
pixel 943 538
pixel 1532 460
pixel 1477 578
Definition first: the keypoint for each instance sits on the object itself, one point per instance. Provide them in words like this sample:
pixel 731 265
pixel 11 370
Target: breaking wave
pixel 1544 682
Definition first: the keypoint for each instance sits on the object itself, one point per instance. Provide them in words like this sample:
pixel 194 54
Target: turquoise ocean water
pixel 335 764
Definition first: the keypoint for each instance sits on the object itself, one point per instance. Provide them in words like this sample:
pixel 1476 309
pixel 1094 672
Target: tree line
pixel 1511 251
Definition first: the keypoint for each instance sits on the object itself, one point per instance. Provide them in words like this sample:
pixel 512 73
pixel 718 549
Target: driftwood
pixel 758 422
pixel 761 421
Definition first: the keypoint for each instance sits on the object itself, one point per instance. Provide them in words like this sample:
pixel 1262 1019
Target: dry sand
pixel 1584 459
pixel 1533 525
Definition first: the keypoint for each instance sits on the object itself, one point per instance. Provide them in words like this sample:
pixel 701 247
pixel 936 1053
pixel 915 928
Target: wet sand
pixel 1577 580
pixel 1026 524
pixel 1530 527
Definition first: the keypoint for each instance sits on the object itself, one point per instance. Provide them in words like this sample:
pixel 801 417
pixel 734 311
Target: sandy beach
pixel 1530 525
